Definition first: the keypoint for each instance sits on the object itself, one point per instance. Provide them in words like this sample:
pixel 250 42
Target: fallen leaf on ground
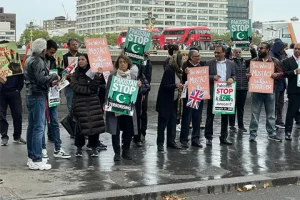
pixel 266 185
pixel 172 198
pixel 239 190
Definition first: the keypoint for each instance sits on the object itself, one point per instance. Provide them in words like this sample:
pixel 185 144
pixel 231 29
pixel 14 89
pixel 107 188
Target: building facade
pixel 240 9
pixel 102 16
pixel 7 26
pixel 58 23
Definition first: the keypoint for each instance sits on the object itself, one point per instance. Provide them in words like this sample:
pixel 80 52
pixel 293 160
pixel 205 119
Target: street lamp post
pixel 149 21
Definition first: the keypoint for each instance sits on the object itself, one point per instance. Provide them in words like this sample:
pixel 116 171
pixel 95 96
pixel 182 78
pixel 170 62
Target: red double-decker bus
pixel 198 36
pixel 156 38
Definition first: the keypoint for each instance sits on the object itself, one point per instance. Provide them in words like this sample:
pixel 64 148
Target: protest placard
pixel 198 78
pixel 59 60
pixel 260 80
pixel 122 96
pixel 137 43
pixel 98 53
pixel 53 95
pixel 224 98
pixel 9 60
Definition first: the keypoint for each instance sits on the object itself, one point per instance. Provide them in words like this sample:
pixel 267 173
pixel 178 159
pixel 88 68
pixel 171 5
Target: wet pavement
pixel 148 167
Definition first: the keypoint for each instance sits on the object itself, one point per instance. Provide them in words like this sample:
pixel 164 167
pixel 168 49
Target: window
pixel 174 32
pixel 137 15
pixel 202 17
pixel 170 9
pixel 202 23
pixel 181 17
pixel 169 3
pixel 170 16
pixel 135 8
pixel 180 10
pixel 179 3
pixel 192 17
pixel 203 5
pixel 122 14
pixel 170 23
pixel 180 23
pixel 122 21
pixel 191 4
pixel 191 23
pixel 157 9
pixel 213 18
pixel 203 11
pixel 158 16
pixel 136 1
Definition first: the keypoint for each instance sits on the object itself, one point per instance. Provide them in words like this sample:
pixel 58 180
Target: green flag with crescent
pixel 122 96
pixel 136 44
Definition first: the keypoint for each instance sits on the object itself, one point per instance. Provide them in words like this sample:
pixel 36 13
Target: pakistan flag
pixel 136 48
pixel 121 98
pixel 240 35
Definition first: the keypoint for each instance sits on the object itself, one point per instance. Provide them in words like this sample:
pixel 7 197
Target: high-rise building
pixel 58 23
pixel 7 25
pixel 101 16
pixel 240 9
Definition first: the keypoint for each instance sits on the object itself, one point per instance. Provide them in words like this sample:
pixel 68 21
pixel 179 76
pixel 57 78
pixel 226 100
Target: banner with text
pixel 260 80
pixel 224 98
pixel 122 96
pixel 198 78
pixel 137 43
pixel 241 32
pixel 99 55
pixel 53 95
pixel 9 60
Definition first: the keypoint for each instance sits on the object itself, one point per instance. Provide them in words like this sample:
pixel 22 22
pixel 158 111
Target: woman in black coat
pixel 169 102
pixel 86 106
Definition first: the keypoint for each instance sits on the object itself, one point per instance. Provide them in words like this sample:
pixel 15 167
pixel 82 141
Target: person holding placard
pixel 117 122
pixel 190 114
pixel 292 71
pixel 73 52
pixel 268 99
pixel 220 69
pixel 86 106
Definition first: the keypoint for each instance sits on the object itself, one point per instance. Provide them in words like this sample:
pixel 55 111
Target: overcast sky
pixel 39 10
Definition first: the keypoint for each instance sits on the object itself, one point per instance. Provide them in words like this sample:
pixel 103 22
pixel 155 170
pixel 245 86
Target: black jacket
pixel 145 88
pixel 165 96
pixel 289 65
pixel 86 104
pixel 37 77
pixel 13 83
pixel 65 58
pixel 147 70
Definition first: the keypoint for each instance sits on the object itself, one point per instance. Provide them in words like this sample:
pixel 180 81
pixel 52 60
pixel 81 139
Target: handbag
pixel 71 124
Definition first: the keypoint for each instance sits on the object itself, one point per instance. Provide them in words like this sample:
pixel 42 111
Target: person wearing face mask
pixel 86 106
pixel 220 69
pixel 267 99
pixel 242 81
pixel 291 70
pixel 190 114
pixel 115 122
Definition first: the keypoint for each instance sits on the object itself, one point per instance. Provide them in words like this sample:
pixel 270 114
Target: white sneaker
pixel 178 127
pixel 61 154
pixel 44 153
pixel 39 166
pixel 29 161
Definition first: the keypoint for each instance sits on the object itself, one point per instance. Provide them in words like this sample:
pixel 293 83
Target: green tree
pixel 26 38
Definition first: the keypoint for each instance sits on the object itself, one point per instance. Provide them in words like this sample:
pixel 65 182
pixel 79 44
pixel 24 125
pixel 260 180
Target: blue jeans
pixel 258 99
pixel 69 97
pixel 36 107
pixel 53 114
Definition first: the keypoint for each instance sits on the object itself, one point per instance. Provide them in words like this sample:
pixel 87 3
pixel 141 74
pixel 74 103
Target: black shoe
pixel 138 144
pixel 275 138
pixel 233 129
pixel 288 136
pixel 117 157
pixel 20 141
pixel 126 155
pixel 78 153
pixel 95 153
pixel 101 146
pixel 184 145
pixel 225 141
pixel 1 181
pixel 4 142
pixel 197 144
pixel 208 142
pixel 243 129
pixel 143 137
pixel 160 148
pixel 174 146
pixel 280 125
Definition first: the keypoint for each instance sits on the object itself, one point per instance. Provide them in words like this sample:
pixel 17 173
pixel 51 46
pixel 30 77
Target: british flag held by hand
pixel 195 99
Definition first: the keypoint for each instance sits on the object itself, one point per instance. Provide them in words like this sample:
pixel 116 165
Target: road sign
pixel 241 31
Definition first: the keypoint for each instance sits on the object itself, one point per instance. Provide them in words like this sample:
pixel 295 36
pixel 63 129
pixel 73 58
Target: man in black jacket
pixel 37 81
pixel 73 52
pixel 241 69
pixel 190 114
pixel 291 71
pixel 10 95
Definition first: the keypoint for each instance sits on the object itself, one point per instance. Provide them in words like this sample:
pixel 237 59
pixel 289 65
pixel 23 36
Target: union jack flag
pixel 195 98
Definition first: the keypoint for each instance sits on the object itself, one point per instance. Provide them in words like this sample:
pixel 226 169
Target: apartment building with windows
pixel 100 16
pixel 240 9
pixel 7 25
pixel 58 23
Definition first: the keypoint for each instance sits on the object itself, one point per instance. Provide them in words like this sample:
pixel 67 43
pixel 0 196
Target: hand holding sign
pixel 2 79
pixel 297 71
pixel 274 76
pixel 139 83
pixel 217 77
pixel 229 81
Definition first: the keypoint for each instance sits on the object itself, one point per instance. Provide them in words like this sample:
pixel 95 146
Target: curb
pixel 188 189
